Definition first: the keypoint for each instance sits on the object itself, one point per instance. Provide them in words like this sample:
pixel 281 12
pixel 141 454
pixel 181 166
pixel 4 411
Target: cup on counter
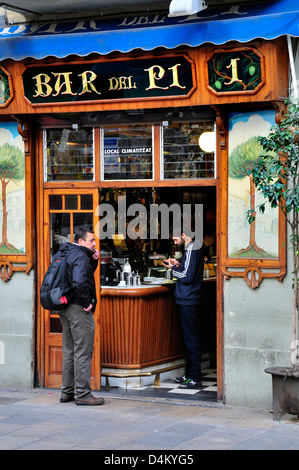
pixel 210 267
pixel 206 273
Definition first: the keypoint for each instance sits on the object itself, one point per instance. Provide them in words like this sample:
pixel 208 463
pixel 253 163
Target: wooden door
pixel 64 210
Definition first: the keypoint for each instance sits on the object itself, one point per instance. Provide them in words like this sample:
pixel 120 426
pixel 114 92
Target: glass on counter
pixel 209 270
pixel 156 267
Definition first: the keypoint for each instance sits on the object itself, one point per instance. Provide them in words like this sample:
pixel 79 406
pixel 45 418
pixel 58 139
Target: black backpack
pixel 55 291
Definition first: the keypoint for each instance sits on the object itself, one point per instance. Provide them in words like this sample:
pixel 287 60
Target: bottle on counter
pixel 127 266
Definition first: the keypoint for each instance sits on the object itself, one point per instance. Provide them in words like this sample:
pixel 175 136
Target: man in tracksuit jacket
pixel 189 275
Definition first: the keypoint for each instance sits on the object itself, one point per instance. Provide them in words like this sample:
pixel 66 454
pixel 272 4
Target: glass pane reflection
pixel 71 202
pixel 60 230
pixel 128 153
pixel 182 155
pixel 69 154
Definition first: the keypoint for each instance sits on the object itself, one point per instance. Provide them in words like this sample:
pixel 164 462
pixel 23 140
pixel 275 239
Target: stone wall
pixel 257 335
pixel 17 332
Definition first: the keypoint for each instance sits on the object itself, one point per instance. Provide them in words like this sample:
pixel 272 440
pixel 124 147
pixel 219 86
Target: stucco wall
pixel 17 332
pixel 257 334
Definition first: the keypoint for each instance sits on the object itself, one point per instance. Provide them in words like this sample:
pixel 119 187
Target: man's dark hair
pixel 209 229
pixel 81 232
pixel 187 226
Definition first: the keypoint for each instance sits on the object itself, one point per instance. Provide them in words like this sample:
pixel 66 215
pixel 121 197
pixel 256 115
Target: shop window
pixel 69 154
pixel 188 150
pixel 138 222
pixel 127 152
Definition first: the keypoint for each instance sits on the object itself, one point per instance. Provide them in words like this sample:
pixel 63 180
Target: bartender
pixel 189 275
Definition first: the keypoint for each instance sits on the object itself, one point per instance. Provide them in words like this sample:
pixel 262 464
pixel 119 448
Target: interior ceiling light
pixel 186 8
pixel 207 142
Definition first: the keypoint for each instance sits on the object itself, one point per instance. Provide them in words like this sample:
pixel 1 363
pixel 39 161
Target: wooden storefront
pixel 53 94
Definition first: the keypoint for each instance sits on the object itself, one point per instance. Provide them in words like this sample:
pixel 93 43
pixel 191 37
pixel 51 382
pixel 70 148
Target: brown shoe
pixel 90 400
pixel 66 398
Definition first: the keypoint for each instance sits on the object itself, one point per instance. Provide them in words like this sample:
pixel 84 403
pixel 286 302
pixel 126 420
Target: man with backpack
pixel 77 320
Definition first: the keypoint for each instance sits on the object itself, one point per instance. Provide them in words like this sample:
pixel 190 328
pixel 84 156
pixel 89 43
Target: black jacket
pixel 189 274
pixel 80 270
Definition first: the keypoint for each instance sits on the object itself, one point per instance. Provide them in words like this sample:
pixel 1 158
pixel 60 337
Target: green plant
pixel 276 175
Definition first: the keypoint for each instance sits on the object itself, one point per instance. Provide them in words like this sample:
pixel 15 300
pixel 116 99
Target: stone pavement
pixel 36 420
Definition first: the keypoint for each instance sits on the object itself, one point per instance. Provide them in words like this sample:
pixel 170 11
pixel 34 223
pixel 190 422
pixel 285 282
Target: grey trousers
pixel 77 347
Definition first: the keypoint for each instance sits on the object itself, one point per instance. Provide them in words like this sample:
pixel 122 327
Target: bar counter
pixel 140 328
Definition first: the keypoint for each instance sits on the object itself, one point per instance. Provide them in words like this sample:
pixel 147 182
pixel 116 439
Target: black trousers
pixel 190 327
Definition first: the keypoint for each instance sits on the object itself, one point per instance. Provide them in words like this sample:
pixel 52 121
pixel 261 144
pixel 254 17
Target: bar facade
pixel 124 142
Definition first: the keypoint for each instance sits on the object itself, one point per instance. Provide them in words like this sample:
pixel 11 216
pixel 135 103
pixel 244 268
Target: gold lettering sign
pixel 170 76
pixel 156 72
pixel 87 86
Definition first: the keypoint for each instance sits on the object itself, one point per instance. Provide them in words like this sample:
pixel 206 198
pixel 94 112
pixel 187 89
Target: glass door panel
pixel 82 218
pixel 60 226
pixel 63 214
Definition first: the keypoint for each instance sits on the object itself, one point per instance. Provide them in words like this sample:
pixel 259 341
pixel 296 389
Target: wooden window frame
pixel 98 182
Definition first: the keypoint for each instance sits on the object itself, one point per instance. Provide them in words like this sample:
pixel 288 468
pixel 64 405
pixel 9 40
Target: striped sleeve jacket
pixel 189 274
